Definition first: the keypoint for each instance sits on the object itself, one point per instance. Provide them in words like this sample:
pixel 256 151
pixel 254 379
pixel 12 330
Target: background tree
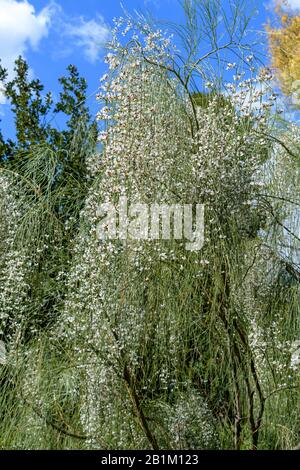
pixel 80 132
pixel 5 146
pixel 48 167
pixel 28 105
pixel 284 44
pixel 34 115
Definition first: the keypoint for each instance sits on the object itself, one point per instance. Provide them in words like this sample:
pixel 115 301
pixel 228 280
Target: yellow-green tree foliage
pixel 284 45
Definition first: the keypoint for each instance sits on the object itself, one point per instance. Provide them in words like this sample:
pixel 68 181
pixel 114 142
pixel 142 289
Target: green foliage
pixel 73 98
pixel 29 106
pixel 45 169
pixel 204 99
pixel 33 116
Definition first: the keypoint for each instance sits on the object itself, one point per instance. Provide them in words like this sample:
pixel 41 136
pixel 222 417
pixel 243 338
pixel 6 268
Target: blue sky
pixel 52 34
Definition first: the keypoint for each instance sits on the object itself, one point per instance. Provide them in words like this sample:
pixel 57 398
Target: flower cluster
pixel 14 265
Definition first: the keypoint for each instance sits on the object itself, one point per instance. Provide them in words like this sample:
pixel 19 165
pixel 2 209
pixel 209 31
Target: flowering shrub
pixel 14 264
pixel 141 311
pixel 156 346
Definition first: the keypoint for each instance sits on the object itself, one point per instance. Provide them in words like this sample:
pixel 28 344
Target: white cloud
pixel 91 35
pixel 21 27
pixel 294 4
pixel 288 4
pixel 2 101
